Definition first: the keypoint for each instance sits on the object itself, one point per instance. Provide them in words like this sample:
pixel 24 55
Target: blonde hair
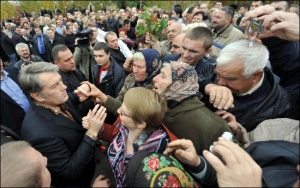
pixel 192 26
pixel 145 105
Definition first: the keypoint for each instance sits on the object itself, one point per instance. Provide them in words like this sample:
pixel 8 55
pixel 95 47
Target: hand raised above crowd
pixel 284 25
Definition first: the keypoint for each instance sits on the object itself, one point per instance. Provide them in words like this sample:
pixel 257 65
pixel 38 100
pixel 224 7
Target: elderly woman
pixel 139 128
pixel 145 66
pixel 187 116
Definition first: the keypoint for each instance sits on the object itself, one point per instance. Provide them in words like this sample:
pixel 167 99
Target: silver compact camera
pixel 257 26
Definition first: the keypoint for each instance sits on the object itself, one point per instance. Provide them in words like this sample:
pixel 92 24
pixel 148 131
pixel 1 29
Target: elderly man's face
pixel 231 76
pixel 24 52
pixel 173 30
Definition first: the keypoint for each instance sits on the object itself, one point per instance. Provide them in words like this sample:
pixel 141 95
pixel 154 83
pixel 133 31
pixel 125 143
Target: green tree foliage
pixel 8 10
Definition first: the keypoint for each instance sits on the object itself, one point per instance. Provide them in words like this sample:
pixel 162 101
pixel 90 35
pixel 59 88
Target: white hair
pixel 254 58
pixel 138 56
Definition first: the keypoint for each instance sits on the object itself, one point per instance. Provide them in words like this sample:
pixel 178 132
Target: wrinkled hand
pixel 101 182
pixel 95 119
pixel 229 118
pixel 127 66
pixel 184 151
pixel 240 169
pixel 221 97
pixel 82 91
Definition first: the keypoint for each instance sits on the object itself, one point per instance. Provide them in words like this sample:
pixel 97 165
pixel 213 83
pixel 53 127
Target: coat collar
pixel 60 120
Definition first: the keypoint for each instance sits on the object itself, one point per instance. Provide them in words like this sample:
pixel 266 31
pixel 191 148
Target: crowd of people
pixel 82 93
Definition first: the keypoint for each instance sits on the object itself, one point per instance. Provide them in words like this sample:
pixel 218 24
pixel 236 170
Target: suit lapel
pixel 59 120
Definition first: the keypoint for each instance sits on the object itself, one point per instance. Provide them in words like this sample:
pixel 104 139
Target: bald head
pixel 173 30
pixel 176 44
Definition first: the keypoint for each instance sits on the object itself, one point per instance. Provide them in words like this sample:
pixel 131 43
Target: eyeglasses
pixel 122 113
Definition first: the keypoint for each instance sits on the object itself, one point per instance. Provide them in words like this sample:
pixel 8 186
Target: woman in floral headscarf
pixel 187 117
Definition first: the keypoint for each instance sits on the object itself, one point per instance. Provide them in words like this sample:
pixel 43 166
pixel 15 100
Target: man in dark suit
pixel 41 45
pixel 14 103
pixel 53 127
pixel 70 76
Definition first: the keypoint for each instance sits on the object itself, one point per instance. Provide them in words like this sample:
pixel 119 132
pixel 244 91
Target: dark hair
pixel 204 16
pixel 56 49
pixel 288 4
pixel 126 21
pixel 201 34
pixel 178 10
pixel 246 6
pixel 190 10
pixel 263 2
pixel 101 46
pixel 228 10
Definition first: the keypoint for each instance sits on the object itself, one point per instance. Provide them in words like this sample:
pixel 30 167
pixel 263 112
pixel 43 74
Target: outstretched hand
pixel 184 151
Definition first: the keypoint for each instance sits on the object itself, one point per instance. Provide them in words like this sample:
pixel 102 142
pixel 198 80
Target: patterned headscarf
pixel 153 66
pixel 184 82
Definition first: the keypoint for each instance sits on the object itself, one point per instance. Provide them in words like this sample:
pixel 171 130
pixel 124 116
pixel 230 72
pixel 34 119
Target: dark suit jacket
pixel 72 81
pixel 63 142
pixel 12 114
pixel 47 46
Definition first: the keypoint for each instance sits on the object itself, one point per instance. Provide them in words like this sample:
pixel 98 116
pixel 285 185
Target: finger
pixel 180 143
pixel 95 110
pixel 100 177
pixel 81 90
pixel 215 162
pixel 225 154
pixel 233 152
pixel 169 150
pixel 229 103
pixel 220 112
pixel 218 99
pixel 212 96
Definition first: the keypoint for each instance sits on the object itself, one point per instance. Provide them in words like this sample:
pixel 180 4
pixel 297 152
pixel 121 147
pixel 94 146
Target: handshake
pixel 86 90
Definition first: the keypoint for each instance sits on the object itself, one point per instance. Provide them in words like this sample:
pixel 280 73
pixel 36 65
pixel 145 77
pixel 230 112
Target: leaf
pixel 163 23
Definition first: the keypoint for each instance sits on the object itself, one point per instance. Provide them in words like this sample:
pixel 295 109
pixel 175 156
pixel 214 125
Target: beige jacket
pixel 228 36
pixel 271 129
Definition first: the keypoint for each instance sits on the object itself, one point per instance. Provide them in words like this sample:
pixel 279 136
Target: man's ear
pixel 208 51
pixel 37 96
pixel 55 62
pixel 257 76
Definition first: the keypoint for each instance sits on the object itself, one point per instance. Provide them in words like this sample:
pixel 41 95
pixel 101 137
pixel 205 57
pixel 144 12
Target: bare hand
pixel 184 151
pixel 81 92
pixel 95 119
pixel 101 182
pixel 286 27
pixel 127 66
pixel 240 169
pixel 220 96
pixel 229 118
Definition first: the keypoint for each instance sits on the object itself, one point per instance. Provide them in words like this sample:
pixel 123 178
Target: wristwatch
pixel 93 137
